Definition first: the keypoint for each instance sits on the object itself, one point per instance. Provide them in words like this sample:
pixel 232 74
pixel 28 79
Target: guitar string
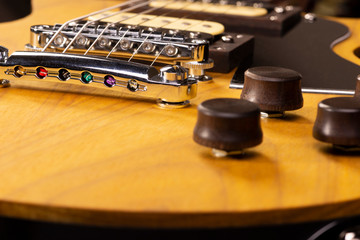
pixel 121 11
pixel 169 41
pixel 120 21
pixel 137 50
pixel 139 47
pixel 93 21
pixel 159 53
pixel 185 16
pixel 108 25
pixel 118 42
pixel 142 43
pixel 114 48
pixel 124 19
pixel 83 17
pixel 189 16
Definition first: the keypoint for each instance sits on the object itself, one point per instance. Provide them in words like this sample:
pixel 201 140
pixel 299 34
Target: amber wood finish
pixel 90 159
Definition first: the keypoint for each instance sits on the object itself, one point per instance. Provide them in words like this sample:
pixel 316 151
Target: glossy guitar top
pixel 111 161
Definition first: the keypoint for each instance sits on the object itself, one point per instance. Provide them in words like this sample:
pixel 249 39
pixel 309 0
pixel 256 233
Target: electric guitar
pixel 92 157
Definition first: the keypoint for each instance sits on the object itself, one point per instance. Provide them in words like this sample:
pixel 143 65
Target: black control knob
pixel 274 89
pixel 228 125
pixel 338 122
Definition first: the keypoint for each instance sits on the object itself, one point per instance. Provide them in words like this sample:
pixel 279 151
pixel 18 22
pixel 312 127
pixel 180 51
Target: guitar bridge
pixel 121 41
pixel 171 87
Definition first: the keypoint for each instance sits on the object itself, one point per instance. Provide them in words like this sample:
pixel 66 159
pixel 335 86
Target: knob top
pixel 274 89
pixel 337 121
pixel 340 105
pixel 228 108
pixel 228 124
pixel 272 74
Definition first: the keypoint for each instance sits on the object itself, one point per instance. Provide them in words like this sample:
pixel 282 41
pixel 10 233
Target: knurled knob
pixel 228 124
pixel 337 121
pixel 274 89
pixel 198 65
pixel 197 69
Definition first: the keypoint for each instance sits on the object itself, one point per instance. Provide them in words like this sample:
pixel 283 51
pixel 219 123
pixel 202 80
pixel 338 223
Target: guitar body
pixel 123 162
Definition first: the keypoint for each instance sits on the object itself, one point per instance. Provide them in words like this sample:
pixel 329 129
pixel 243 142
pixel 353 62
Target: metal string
pixel 136 51
pixel 159 53
pixel 92 45
pixel 108 25
pixel 146 11
pixel 114 48
pixel 169 41
pixel 83 17
pixel 124 19
pixel 90 22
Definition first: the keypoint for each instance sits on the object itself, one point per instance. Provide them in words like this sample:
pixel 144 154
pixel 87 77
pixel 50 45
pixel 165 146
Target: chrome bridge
pixel 120 41
pixel 171 87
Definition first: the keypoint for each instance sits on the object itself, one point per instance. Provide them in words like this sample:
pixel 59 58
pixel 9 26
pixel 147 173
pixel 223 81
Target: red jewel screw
pixel 41 72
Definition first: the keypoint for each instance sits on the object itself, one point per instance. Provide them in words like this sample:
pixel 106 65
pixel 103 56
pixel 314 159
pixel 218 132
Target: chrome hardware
pixel 81 41
pixel 148 47
pixel 173 73
pixel 289 8
pixel 273 18
pixel 4 54
pixel 4 83
pixel 171 50
pixel 197 69
pixel 103 43
pixel 172 46
pixel 221 153
pixel 240 3
pixel 310 17
pixel 195 34
pixel 59 40
pixel 258 5
pixel 227 39
pixel 272 114
pixel 125 44
pixel 353 234
pixel 133 85
pixel 171 86
pixel 279 9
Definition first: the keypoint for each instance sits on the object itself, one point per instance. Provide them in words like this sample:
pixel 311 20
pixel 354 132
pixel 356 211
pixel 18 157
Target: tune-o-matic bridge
pixel 171 87
pixel 121 41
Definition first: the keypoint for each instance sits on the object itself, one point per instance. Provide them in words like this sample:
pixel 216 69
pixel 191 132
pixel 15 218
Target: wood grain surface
pixel 111 161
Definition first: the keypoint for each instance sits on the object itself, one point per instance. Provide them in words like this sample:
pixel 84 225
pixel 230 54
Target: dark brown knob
pixel 338 121
pixel 274 89
pixel 228 124
pixel 357 91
